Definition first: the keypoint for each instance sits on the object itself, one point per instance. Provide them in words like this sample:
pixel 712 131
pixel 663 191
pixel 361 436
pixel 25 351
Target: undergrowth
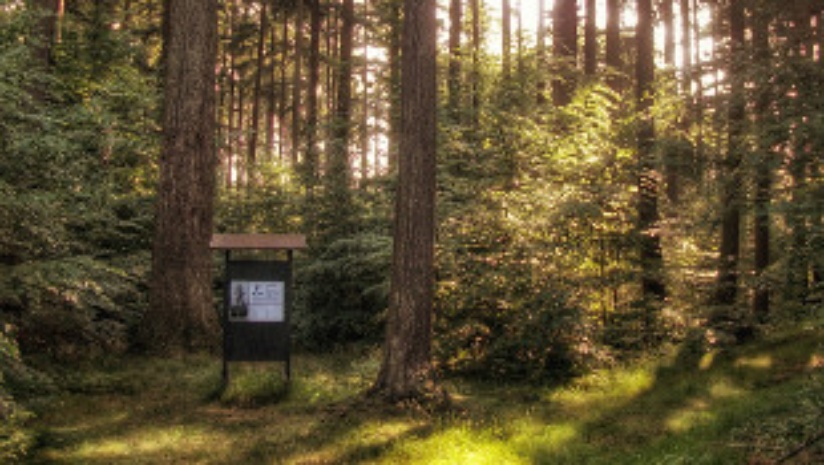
pixel 760 403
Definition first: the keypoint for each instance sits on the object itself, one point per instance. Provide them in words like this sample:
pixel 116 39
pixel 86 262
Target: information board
pixel 257 301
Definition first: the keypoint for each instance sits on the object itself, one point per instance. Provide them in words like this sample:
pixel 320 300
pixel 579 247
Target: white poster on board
pixel 256 301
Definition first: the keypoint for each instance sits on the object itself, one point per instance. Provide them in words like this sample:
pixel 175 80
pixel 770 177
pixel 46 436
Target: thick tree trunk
pixel 613 45
pixel 590 40
pixel 652 282
pixel 180 315
pixel 565 44
pixel 406 371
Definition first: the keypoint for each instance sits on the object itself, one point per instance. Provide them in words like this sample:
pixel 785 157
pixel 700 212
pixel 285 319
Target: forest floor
pixel 761 403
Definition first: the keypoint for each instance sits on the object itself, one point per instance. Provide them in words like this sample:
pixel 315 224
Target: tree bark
pixel 476 61
pixel 406 371
pixel 652 283
pixel 565 44
pixel 254 127
pixel 48 29
pixel 764 171
pixel 613 45
pixel 395 84
pixel 297 85
pixel 590 40
pixel 729 250
pixel 180 315
pixel 506 38
pixel 310 157
pixel 540 53
pixel 686 51
pixel 668 20
pixel 454 76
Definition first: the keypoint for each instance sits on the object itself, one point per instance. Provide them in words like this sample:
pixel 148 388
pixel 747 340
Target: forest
pixel 539 231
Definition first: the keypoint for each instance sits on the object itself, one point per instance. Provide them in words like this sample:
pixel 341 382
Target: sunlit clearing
pixel 706 360
pixel 145 443
pixel 534 438
pixel 696 413
pixel 605 387
pixel 760 361
pixel 724 389
pixel 458 445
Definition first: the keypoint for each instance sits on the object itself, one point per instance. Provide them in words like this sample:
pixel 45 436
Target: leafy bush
pixel 343 293
pixel 15 439
pixel 76 142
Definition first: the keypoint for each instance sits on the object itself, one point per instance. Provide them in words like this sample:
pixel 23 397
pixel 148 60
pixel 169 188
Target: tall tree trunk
pixel 254 127
pixel 48 28
pixel 364 126
pixel 729 250
pixel 297 85
pixel 310 157
pixel 798 269
pixel 395 84
pixel 764 171
pixel 454 76
pixel 652 284
pixel 180 315
pixel 673 155
pixel 697 81
pixel 506 38
pixel 231 134
pixel 406 371
pixel 613 45
pixel 282 95
pixel 590 40
pixel 565 44
pixel 476 62
pixel 271 90
pixel 668 20
pixel 686 51
pixel 339 216
pixel 540 52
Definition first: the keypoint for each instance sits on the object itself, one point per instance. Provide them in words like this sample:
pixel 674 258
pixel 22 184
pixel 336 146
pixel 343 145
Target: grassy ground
pixel 762 403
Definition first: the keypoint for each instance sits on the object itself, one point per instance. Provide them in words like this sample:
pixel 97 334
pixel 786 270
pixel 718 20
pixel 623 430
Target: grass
pixel 755 404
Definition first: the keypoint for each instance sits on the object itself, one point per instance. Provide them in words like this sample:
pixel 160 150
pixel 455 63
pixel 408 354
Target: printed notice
pixel 256 301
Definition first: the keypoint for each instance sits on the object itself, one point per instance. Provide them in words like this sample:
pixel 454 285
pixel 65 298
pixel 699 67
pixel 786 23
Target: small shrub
pixel 343 293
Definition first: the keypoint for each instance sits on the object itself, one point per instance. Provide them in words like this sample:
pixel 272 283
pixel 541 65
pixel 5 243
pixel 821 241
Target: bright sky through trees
pixel 530 9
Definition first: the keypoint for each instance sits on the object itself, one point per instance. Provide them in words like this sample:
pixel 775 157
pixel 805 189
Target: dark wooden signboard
pixel 257 299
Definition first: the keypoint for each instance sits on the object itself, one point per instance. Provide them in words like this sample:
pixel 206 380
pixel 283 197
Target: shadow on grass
pixel 702 407
pixel 179 414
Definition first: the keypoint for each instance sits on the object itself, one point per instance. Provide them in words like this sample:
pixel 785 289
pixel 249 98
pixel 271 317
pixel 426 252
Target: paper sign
pixel 256 301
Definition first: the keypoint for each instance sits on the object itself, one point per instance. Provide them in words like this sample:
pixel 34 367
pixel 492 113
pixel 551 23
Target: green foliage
pixel 78 137
pixel 15 439
pixel 343 292
pixel 536 223
pixel 270 205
